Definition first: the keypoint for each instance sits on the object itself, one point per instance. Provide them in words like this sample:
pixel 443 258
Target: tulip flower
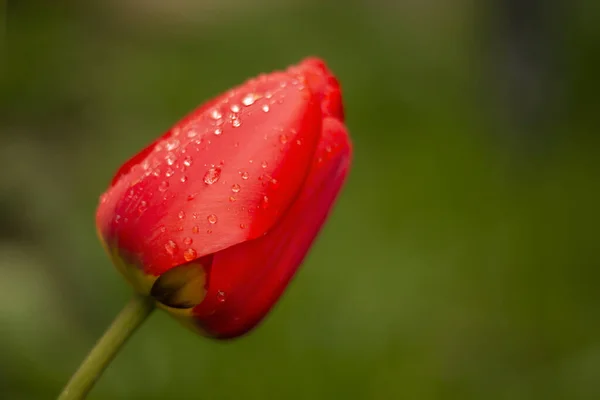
pixel 211 221
pixel 214 218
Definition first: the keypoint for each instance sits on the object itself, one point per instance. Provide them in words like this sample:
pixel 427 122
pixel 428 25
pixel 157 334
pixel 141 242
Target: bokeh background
pixel 461 262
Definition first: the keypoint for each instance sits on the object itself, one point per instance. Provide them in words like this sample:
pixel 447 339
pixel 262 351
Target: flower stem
pixel 126 323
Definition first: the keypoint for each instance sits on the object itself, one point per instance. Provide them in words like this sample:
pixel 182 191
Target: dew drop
pixel 235 188
pixel 192 133
pixel 244 175
pixel 172 145
pixel 187 241
pixel 212 175
pixel 143 206
pixel 236 123
pixel 169 172
pixel 212 219
pixel 209 231
pixel 156 172
pixel 171 247
pixel 170 158
pixel 248 100
pixel 189 254
pixel 218 131
pixel 163 229
pixel 195 229
pixel 265 108
pixel 216 114
pixel 181 215
pixel 183 179
pixel 242 226
pixel 283 138
pixel 231 199
pixel 163 186
pixel 221 296
pixel 235 108
pixel 265 202
pixel 187 161
pixel 264 164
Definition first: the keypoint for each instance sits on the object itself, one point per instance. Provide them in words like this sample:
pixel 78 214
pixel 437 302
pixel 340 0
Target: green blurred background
pixel 461 262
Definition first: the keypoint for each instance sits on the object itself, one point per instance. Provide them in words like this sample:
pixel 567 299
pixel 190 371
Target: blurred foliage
pixel 460 263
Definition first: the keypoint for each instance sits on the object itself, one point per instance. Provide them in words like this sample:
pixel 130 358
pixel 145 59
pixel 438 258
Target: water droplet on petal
pixel 163 186
pixel 244 175
pixel 218 131
pixel 212 176
pixel 163 229
pixel 169 172
pixel 236 123
pixel 265 108
pixel 235 188
pixel 171 247
pixel 216 114
pixel 170 158
pixel 172 145
pixel 264 164
pixel 181 215
pixel 189 254
pixel 283 138
pixel 221 296
pixel 212 219
pixel 195 229
pixel 231 199
pixel 187 241
pixel 183 179
pixel 143 206
pixel 192 133
pixel 248 100
pixel 187 161
pixel 209 231
pixel 235 108
pixel 243 226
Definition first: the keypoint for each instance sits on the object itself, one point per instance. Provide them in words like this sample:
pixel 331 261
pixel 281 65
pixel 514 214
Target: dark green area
pixel 461 262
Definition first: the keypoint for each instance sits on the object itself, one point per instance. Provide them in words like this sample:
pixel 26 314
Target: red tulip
pixel 214 217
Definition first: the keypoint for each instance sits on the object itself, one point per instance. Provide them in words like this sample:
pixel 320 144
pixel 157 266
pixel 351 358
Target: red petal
pixel 210 183
pixel 246 280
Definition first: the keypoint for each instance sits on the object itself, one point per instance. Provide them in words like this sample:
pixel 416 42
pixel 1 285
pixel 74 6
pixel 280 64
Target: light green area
pixel 460 261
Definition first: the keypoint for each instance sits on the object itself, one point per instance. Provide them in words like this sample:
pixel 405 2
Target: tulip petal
pixel 244 281
pixel 223 175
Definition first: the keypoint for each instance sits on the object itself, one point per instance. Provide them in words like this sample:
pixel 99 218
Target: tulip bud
pixel 214 218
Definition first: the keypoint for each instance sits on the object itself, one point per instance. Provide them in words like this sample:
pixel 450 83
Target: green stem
pixel 126 323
